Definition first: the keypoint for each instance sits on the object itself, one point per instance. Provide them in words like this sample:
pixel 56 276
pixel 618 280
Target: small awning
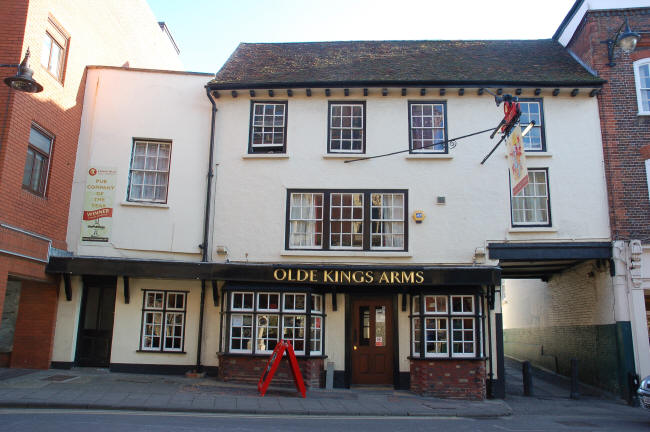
pixel 541 260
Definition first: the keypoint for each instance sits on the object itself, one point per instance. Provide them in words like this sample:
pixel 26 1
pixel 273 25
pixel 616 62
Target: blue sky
pixel 208 31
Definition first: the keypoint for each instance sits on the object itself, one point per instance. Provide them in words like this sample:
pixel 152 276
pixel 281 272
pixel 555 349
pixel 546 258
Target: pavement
pixel 99 389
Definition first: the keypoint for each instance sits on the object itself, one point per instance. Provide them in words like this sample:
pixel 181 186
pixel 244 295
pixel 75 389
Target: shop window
pixel 163 321
pixel 642 81
pixel 347 127
pixel 445 321
pixel 531 110
pixel 37 163
pixel 54 50
pixel 531 206
pixel 268 132
pixel 428 127
pixel 149 172
pixel 347 220
pixel 258 321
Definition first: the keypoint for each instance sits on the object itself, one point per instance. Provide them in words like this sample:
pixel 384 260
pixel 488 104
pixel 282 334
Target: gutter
pixel 206 229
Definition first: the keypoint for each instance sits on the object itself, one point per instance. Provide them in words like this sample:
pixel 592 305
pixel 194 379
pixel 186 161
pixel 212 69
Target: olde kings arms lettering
pixel 356 277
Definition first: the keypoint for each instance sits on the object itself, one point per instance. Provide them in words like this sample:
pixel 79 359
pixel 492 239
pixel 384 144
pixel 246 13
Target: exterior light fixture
pixel 23 80
pixel 624 38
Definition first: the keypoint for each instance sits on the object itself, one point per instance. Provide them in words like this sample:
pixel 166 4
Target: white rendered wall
pixel 118 106
pixel 250 194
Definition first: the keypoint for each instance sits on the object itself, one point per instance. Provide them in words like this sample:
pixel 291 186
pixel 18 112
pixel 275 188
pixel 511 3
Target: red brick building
pixel 38 144
pixel 593 33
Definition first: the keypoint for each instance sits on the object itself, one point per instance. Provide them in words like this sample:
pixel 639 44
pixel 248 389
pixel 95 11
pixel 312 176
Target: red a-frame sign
pixel 274 363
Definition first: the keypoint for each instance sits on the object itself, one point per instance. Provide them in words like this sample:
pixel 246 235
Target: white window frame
pixel 268 295
pixel 436 329
pixel 252 339
pixel 639 89
pixel 462 341
pixel 310 219
pixel 259 336
pixel 159 173
pixel 164 312
pixel 243 295
pixel 539 124
pixel 341 207
pixel 341 128
pixel 417 124
pixel 295 329
pixel 462 304
pixel 525 193
pixel 313 330
pixel 384 222
pixel 258 121
pixel 285 296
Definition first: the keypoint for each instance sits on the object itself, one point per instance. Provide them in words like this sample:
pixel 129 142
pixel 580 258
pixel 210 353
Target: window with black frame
pixel 444 326
pixel 257 321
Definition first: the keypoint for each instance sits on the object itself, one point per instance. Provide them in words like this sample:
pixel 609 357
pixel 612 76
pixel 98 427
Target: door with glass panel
pixel 372 341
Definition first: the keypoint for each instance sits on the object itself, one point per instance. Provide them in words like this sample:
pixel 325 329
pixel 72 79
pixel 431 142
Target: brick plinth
pixel 33 339
pixel 453 379
pixel 249 369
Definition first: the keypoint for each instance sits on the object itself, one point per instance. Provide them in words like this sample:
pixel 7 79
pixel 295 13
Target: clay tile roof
pixel 543 63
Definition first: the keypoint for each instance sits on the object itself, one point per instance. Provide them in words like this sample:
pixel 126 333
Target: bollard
pixel 528 378
pixel 574 379
pixel 633 385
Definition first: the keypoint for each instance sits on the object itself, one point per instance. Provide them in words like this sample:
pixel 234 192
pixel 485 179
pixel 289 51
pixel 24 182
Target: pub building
pixel 255 207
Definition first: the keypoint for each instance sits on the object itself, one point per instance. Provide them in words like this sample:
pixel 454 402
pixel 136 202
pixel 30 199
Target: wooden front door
pixel 372 340
pixel 96 323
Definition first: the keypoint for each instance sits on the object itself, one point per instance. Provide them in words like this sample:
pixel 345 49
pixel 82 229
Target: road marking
pixel 5 411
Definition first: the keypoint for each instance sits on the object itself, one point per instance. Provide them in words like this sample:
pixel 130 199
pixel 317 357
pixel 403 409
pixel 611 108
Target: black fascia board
pixel 567 19
pixel 255 272
pixel 549 251
pixel 360 84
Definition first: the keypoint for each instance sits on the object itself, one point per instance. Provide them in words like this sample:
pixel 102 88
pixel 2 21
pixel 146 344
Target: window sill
pixel 532 229
pixel 144 204
pixel 427 156
pixel 330 253
pixel 535 154
pixel 160 352
pixel 344 155
pixel 265 156
pixel 446 358
pixel 643 114
pixel 237 354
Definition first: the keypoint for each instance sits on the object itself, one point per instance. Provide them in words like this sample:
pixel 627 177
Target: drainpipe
pixel 206 228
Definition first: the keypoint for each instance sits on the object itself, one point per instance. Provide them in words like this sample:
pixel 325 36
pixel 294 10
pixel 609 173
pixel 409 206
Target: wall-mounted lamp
pixel 23 80
pixel 624 38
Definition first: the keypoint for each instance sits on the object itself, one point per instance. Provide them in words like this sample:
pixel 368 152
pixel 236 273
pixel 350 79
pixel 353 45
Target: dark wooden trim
pixel 215 293
pixel 596 82
pixel 61 365
pixel 329 124
pixel 548 201
pixel 348 342
pixel 433 275
pixel 367 210
pixel 549 251
pixel 164 312
pixel 67 285
pixel 499 385
pixel 432 102
pixel 395 316
pixel 127 297
pixel 262 150
pixel 156 369
pixel 169 168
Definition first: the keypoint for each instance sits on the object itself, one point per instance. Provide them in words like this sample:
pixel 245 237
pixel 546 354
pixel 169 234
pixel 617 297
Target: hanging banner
pixel 97 219
pixel 516 161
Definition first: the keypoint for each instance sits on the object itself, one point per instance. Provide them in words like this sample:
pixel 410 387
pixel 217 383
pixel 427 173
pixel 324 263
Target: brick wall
pixel 453 379
pixel 249 369
pixel 111 33
pixel 34 326
pixel 624 133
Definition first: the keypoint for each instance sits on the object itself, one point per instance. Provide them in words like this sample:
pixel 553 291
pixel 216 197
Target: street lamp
pixel 626 40
pixel 23 80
